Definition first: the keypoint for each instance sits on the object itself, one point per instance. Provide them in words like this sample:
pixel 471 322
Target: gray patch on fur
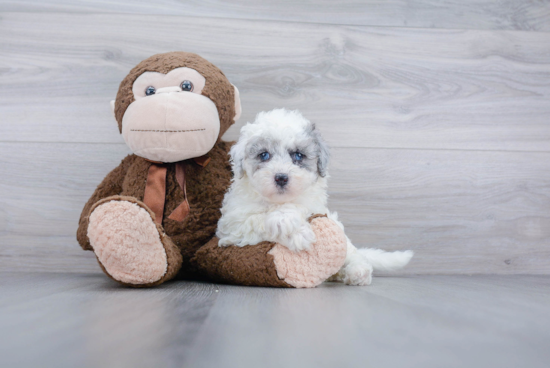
pixel 322 151
pixel 236 154
pixel 314 148
pixel 256 146
pixel 309 159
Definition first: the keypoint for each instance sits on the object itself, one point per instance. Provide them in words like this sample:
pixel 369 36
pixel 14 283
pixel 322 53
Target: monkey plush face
pixel 170 120
pixel 175 106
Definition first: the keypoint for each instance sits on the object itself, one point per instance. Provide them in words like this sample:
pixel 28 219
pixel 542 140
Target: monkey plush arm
pixel 272 264
pixel 111 185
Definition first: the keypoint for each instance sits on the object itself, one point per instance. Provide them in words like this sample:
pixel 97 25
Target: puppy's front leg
pixel 288 227
pixel 241 231
pixel 301 239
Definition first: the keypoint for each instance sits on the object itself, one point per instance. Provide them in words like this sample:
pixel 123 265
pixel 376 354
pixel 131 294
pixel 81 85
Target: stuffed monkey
pixel 154 217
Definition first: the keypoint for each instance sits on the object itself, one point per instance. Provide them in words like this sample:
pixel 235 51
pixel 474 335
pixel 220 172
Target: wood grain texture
pixel 460 211
pixel 465 14
pixel 466 211
pixel 363 86
pixel 89 321
pixel 397 322
pixel 86 320
pixel 41 201
pixel 441 137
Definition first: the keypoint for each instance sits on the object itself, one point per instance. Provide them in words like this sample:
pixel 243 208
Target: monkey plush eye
pixel 264 156
pixel 186 86
pixel 150 91
pixel 297 156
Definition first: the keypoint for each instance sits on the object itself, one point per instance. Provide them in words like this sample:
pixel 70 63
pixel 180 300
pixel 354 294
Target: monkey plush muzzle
pixel 171 125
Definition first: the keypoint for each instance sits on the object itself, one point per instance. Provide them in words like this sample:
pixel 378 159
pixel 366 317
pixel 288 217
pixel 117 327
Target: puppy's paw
pixel 302 239
pixel 279 225
pixel 357 273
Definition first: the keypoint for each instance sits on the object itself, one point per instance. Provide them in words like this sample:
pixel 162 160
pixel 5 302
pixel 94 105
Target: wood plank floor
pixel 86 320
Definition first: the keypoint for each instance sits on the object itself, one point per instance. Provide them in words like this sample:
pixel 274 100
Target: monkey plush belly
pixel 122 228
pixel 205 186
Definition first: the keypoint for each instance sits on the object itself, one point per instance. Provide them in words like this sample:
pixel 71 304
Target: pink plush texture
pixel 307 269
pixel 171 127
pixel 126 241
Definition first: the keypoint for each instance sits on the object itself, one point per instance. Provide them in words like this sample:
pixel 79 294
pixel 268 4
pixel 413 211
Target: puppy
pixel 280 179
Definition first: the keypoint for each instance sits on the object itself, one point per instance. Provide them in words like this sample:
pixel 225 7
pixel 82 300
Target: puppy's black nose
pixel 281 179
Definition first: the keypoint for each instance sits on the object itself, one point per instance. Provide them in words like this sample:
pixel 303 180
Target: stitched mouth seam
pixel 166 131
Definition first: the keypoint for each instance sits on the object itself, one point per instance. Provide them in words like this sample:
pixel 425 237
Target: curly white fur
pixel 257 207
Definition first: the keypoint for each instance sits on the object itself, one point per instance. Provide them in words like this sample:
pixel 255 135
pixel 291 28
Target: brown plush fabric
pixel 217 87
pixel 312 217
pixel 249 265
pixel 111 185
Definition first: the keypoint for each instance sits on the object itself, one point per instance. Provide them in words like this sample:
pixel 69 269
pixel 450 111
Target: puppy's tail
pixel 386 261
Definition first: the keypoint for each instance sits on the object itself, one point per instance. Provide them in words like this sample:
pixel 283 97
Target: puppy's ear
pixel 323 151
pixel 237 157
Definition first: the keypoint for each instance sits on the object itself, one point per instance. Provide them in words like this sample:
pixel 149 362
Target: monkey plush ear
pixel 238 108
pixel 113 107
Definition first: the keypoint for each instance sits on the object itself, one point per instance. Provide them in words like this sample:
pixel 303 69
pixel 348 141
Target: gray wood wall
pixel 438 114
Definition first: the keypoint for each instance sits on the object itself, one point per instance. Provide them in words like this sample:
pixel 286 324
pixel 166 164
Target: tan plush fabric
pixel 217 87
pixel 310 268
pixel 128 248
pixel 171 127
pixel 127 243
pixel 173 78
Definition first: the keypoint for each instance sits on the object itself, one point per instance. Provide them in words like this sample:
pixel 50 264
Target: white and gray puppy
pixel 280 180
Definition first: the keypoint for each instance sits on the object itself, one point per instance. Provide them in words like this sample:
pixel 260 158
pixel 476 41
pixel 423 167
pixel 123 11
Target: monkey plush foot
pixel 130 247
pixel 309 268
pixel 271 264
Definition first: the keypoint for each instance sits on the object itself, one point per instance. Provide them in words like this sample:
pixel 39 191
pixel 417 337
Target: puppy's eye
pixel 297 156
pixel 186 86
pixel 150 91
pixel 264 156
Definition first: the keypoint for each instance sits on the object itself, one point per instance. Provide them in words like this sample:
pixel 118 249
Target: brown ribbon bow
pixel 155 189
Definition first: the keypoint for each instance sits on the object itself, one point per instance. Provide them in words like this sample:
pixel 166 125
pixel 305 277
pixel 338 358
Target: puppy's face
pixel 281 154
pixel 280 170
